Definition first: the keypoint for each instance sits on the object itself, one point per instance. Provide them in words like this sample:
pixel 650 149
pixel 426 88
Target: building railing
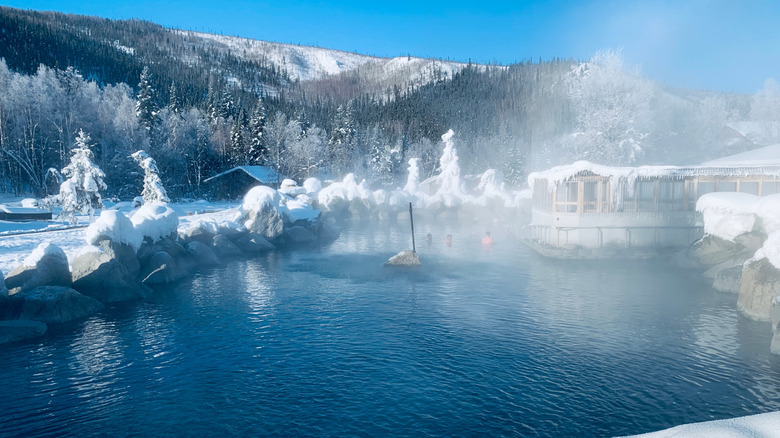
pixel 559 236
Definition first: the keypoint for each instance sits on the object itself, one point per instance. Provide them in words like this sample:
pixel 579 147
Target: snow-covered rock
pixel 404 258
pixel 47 265
pixel 162 268
pixel 759 286
pixel 290 187
pixel 312 185
pixel 224 247
pixel 254 243
pixel 727 214
pixel 114 226
pixel 99 275
pixel 3 289
pixel 202 254
pixel 155 221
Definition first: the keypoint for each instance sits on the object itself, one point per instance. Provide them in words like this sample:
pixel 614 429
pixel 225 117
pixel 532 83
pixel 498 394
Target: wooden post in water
pixel 411 219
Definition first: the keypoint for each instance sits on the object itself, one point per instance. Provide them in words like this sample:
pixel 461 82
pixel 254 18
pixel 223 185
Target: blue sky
pixel 708 44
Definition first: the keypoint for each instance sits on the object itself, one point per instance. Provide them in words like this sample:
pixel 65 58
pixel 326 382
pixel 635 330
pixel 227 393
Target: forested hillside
pixel 200 104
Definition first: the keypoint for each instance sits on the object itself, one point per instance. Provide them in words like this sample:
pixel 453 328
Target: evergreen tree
pixel 145 108
pixel 341 142
pixel 80 193
pixel 258 152
pixel 173 99
pixel 237 149
pixel 153 192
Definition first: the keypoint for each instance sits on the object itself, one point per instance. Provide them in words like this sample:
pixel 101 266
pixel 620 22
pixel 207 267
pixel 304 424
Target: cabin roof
pixel 762 161
pixel 263 174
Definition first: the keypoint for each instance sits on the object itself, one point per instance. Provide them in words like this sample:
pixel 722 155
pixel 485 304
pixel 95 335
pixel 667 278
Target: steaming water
pixel 330 343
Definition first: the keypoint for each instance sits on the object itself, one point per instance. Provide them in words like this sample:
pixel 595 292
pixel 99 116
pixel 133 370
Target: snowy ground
pixel 19 239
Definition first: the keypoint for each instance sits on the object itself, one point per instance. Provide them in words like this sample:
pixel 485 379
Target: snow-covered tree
pixel 80 193
pixel 238 151
pixel 153 192
pixel 450 191
pixel 413 179
pixel 258 153
pixel 146 109
pixel 341 142
pixel 612 111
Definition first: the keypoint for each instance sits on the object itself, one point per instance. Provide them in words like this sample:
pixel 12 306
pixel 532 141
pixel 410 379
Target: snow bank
pixel 761 425
pixel 115 226
pixel 45 249
pixel 290 187
pixel 727 214
pixel 155 221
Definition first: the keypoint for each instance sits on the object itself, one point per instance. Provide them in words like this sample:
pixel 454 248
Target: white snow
pixel 292 209
pixel 727 214
pixel 155 221
pixel 312 185
pixel 115 226
pixel 45 248
pixel 762 425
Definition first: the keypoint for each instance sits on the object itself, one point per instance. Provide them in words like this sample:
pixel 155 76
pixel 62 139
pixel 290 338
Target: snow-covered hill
pixel 307 63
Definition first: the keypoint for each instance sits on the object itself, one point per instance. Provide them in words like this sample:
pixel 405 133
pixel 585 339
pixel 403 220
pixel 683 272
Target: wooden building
pixel 585 205
pixel 235 182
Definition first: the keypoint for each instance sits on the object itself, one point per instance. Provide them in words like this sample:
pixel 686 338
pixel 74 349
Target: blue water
pixel 479 342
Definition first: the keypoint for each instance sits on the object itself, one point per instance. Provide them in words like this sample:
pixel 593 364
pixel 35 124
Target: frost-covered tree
pixel 258 153
pixel 341 143
pixel 238 151
pixel 612 111
pixel 80 193
pixel 153 192
pixel 450 190
pixel 145 108
pixel 413 179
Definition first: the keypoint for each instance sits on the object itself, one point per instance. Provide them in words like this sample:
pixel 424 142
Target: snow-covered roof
pixel 766 156
pixel 729 166
pixel 263 174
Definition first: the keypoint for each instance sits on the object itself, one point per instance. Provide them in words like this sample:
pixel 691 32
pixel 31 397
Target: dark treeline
pixel 199 108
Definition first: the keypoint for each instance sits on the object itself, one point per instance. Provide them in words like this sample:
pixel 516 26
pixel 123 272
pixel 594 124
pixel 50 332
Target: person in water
pixel 448 240
pixel 429 238
pixel 487 240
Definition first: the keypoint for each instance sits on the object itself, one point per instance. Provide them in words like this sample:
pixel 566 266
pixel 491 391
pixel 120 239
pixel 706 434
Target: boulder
pixel 161 268
pixel 197 234
pixel 774 314
pixel 728 280
pixel 223 247
pixel 299 235
pixel 326 233
pixel 266 222
pixel 123 253
pixel 760 284
pixel 202 254
pixel 55 304
pixel 3 289
pixel 19 330
pixel 106 279
pixel 711 250
pixel 404 258
pixel 46 266
pixel 254 243
pixel 774 348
